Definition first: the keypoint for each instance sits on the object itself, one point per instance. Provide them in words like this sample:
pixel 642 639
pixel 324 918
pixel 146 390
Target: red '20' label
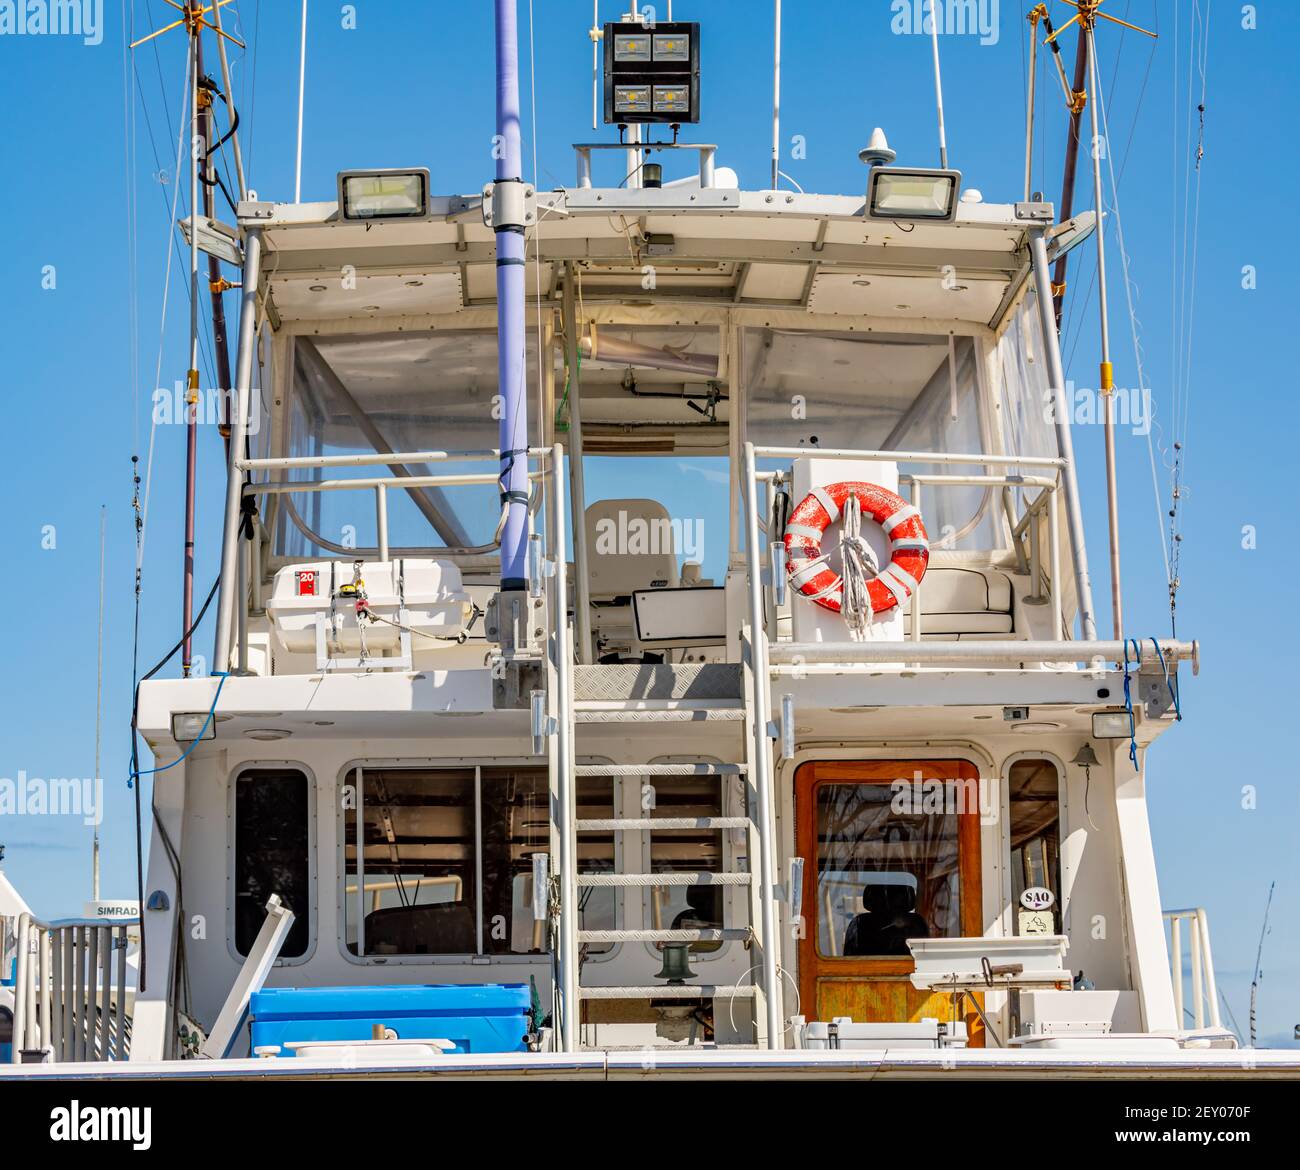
pixel 306 584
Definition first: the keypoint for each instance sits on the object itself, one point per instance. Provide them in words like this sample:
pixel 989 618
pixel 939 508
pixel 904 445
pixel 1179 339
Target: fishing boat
pixel 493 778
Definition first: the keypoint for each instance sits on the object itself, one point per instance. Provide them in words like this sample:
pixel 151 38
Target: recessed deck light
pixel 267 734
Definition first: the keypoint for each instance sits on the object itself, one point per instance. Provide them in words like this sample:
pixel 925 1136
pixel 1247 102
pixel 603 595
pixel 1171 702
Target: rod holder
pixel 541 884
pixel 543 724
pixel 777 556
pixel 535 566
pixel 794 888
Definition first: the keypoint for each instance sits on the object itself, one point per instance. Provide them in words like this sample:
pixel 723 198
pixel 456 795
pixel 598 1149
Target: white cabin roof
pixel 717 247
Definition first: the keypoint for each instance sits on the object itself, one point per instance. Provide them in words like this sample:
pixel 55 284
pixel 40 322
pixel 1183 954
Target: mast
pixel 216 284
pixel 508 224
pixel 194 25
pixel 1079 99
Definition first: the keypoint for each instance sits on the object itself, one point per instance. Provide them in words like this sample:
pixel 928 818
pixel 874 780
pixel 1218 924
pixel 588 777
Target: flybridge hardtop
pixel 653 615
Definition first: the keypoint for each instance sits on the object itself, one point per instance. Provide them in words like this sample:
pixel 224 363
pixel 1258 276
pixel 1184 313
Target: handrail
pixel 991 460
pixel 69 998
pixel 379 484
pixel 799 655
pixel 377 459
pixel 1205 991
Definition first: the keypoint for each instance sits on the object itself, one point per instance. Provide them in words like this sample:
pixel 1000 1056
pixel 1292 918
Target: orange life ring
pixel 909 545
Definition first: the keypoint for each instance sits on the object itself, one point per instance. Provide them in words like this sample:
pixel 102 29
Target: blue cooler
pixel 493 1017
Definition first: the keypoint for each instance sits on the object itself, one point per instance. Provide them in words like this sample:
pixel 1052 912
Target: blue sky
pixel 412 84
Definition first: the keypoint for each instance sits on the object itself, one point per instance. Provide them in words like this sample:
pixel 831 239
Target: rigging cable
pixel 1142 385
pixel 1187 305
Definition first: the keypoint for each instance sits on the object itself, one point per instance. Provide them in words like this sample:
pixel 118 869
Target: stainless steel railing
pixel 793 658
pixel 248 562
pixel 1205 992
pixel 72 1000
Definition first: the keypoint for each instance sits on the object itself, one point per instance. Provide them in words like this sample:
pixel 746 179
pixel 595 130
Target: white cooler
pixel 430 592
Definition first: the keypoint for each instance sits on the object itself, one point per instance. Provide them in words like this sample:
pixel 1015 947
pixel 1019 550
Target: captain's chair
pixel 630 546
pixel 890 919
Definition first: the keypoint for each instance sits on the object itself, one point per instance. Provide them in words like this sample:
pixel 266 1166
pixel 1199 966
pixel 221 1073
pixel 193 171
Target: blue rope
pixel 1128 701
pixel 197 739
pixel 1169 686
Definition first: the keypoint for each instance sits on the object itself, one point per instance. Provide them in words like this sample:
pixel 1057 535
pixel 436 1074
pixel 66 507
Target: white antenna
pixel 776 103
pixel 938 84
pixel 99 703
pixel 1259 955
pixel 302 85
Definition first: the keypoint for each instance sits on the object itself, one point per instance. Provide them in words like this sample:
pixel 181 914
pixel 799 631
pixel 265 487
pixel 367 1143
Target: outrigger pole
pixel 217 284
pixel 193 18
pixel 1086 16
pixel 508 222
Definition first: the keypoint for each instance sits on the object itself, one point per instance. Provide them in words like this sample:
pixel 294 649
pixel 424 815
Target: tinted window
pixel 272 839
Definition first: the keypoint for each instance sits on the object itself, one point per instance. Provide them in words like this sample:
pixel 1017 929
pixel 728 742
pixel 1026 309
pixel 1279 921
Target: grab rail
pixel 70 998
pixel 1205 993
pixel 402 479
pixel 791 658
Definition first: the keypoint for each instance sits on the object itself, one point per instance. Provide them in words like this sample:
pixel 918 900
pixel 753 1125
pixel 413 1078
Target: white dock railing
pixel 70 991
pixel 1205 992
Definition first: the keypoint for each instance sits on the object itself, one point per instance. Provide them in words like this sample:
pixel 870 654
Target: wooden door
pixel 891 851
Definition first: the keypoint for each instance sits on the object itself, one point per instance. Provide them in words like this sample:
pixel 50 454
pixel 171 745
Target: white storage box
pixel 431 593
pixel 943 961
pixel 843 1033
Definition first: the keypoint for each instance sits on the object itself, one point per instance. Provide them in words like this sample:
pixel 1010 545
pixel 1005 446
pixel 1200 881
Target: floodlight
pixel 187 727
pixel 911 194
pixel 652 75
pixel 215 239
pixel 392 194
pixel 1112 724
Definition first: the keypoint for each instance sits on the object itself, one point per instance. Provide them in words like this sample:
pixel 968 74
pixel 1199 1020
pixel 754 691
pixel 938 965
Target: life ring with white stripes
pixel 909 545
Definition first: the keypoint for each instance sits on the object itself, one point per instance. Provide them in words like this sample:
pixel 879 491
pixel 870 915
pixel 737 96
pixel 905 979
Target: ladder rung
pixel 665 879
pixel 704 934
pixel 659 770
pixel 629 825
pixel 670 991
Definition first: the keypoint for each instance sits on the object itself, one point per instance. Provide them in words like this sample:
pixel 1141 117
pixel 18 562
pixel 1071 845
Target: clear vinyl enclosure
pixel 658 415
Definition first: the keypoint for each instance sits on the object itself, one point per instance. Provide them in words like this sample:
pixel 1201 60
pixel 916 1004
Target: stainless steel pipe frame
pixel 707 151
pixel 976 654
pixel 238 438
pixel 1064 436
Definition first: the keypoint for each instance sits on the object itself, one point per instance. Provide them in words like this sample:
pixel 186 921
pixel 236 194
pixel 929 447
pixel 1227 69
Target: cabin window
pixel 877 392
pixel 400 392
pixel 446 866
pixel 272 854
pixel 887 866
pixel 1034 792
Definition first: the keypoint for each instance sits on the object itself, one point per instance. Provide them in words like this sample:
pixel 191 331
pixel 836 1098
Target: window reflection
pixel 886 872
